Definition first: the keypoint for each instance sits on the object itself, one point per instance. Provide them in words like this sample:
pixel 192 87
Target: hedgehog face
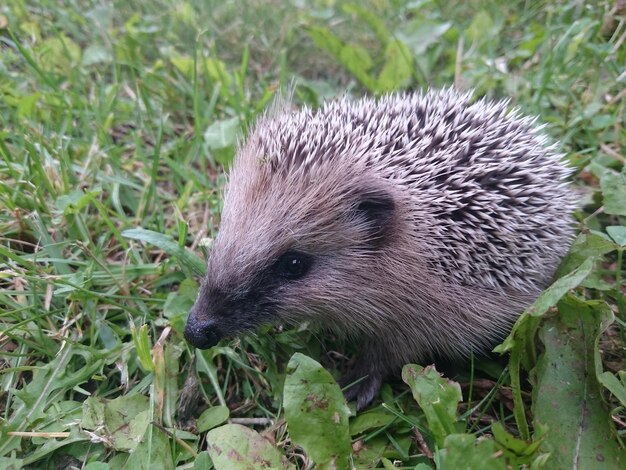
pixel 283 259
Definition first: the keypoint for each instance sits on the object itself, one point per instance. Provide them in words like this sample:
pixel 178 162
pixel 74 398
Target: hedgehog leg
pixel 368 390
pixel 363 391
pixel 364 380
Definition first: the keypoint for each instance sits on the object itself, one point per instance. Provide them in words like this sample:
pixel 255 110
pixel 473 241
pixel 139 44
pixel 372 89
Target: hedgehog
pixel 419 225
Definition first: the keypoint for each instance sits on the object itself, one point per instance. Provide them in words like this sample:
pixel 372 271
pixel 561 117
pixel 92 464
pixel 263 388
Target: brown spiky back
pixel 487 196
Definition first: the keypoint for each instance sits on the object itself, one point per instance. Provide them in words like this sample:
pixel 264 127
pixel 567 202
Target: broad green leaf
pixel 517 450
pixel 374 21
pixel 613 186
pixel 217 71
pixel 167 244
pixel 387 464
pixel 400 445
pixel 422 466
pixel 202 461
pixel 567 396
pixel 96 54
pixel 27 105
pixel 559 288
pixel 118 461
pixel 222 134
pixel 58 54
pixel 152 452
pixel 101 16
pixel 358 62
pixel 398 68
pixel 464 451
pixel 121 423
pixel 354 58
pixel 236 447
pixel 184 64
pixel 212 417
pixel 179 303
pixel 521 340
pixel 586 245
pixel 220 139
pixel 549 298
pixel 316 413
pixel 326 40
pixel 93 413
pixel 369 420
pixel 421 33
pixel 602 121
pixel 438 398
pixel 97 466
pixel 62 416
pixel 367 454
pixel 617 233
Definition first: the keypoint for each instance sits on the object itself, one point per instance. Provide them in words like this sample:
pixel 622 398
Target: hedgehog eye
pixel 292 265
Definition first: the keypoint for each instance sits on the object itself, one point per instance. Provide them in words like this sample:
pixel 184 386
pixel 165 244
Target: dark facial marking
pixel 219 313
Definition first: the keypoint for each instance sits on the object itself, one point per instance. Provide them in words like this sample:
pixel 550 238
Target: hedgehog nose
pixel 202 334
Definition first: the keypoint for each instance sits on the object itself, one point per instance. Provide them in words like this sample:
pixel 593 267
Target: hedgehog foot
pixel 361 386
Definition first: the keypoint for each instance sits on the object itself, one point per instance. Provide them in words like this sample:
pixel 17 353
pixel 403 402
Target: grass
pixel 120 116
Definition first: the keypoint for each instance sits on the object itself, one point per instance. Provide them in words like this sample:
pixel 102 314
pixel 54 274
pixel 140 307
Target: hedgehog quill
pixel 421 225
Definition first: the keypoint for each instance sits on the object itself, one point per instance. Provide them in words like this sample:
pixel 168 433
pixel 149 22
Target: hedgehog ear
pixel 375 207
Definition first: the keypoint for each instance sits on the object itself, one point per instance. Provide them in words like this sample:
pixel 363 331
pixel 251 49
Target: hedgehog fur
pixel 420 224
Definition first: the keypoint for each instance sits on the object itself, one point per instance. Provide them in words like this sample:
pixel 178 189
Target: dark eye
pixel 293 265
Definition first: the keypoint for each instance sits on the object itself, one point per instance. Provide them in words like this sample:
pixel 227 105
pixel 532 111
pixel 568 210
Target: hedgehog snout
pixel 219 313
pixel 201 330
pixel 202 334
